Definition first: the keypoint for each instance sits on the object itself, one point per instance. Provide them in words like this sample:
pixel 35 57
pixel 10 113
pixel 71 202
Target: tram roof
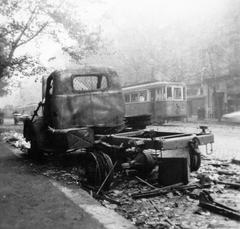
pixel 151 85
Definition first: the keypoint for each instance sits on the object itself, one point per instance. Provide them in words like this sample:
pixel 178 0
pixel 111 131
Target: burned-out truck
pixel 83 110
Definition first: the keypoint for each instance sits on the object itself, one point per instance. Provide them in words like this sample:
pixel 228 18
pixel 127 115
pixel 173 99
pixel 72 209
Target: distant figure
pixel 199 113
pixel 210 113
pixel 203 113
pixel 141 98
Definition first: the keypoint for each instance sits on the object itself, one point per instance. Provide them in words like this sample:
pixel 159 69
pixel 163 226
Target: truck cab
pixel 83 97
pixel 76 102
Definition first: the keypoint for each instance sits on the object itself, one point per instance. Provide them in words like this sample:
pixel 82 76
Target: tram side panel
pixel 138 108
pixel 171 110
pixel 160 111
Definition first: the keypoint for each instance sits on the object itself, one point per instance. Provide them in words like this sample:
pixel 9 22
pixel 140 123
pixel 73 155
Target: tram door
pixel 153 103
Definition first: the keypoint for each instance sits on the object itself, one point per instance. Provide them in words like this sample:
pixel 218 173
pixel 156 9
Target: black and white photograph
pixel 120 114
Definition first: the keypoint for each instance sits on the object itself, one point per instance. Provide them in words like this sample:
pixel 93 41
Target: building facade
pixel 216 96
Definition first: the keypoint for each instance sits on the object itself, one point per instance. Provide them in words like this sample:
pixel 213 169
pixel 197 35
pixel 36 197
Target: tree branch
pixel 15 43
pixel 35 35
pixel 169 77
pixel 43 27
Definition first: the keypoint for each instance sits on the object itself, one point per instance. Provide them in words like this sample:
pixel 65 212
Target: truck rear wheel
pixel 98 167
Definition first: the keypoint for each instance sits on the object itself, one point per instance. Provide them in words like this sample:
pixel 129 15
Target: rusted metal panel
pixel 80 138
pixel 87 110
pixel 74 138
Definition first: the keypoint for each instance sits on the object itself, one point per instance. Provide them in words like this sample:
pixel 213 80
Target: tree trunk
pixel 217 105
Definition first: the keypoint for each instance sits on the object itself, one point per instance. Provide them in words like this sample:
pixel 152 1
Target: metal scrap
pixel 174 208
pixel 155 192
pixel 206 201
pixel 230 184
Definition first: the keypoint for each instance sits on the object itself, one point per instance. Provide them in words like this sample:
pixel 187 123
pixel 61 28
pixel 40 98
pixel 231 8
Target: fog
pixel 121 22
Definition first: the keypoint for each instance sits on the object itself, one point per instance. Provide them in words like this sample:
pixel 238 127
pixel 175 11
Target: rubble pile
pixel 15 139
pixel 210 200
pixel 176 207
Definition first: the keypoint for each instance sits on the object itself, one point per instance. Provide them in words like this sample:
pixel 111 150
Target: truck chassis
pixel 83 110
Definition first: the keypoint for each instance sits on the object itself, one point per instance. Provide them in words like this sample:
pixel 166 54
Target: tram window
pixel 164 93
pixel 177 92
pixel 134 97
pixel 169 93
pixel 143 96
pixel 127 98
pixel 160 94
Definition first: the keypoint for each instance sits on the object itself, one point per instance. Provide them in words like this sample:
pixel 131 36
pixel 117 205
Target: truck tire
pixel 34 152
pixel 98 166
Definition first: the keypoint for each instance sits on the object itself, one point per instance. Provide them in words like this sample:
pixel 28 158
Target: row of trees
pixel 29 21
pixel 194 48
pixel 206 47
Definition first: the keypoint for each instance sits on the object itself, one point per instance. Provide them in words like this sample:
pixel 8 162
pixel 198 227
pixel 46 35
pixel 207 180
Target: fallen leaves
pixel 172 209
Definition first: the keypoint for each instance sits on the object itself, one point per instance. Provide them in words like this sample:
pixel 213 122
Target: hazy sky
pixel 118 15
pixel 163 11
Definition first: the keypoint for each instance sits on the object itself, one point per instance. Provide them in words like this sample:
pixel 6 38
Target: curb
pixel 107 217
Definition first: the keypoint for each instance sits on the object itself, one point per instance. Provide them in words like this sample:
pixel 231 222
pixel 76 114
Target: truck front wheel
pixel 34 152
pixel 29 134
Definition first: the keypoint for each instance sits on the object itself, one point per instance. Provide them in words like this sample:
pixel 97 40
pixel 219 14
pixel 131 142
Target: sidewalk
pixel 194 119
pixel 29 200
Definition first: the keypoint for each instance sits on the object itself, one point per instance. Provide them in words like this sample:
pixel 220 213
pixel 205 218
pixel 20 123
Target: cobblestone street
pixel 226 136
pixel 172 209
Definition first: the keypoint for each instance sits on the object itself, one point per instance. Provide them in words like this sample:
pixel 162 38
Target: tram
pixel 26 109
pixel 163 101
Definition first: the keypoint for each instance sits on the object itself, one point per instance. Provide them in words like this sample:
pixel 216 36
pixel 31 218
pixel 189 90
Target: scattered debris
pixel 206 201
pixel 236 161
pixel 15 139
pixel 148 205
pixel 230 184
